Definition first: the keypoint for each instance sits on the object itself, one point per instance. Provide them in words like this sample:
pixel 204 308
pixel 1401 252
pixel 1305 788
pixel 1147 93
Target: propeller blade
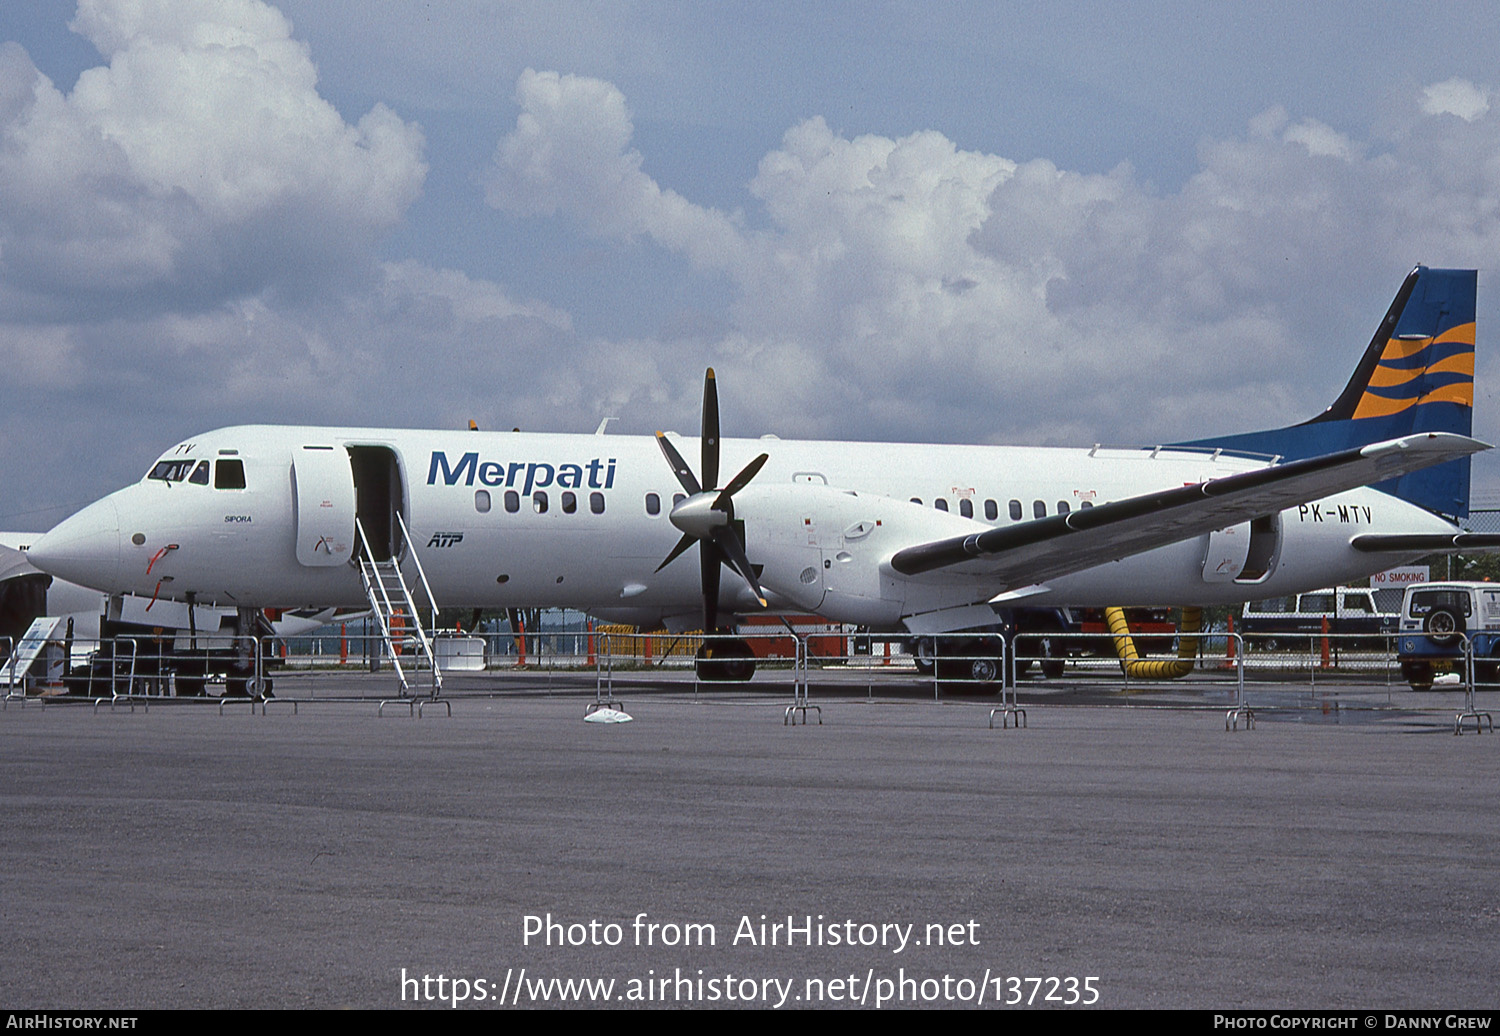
pixel 710 560
pixel 710 466
pixel 739 482
pixel 679 466
pixel 733 550
pixel 688 539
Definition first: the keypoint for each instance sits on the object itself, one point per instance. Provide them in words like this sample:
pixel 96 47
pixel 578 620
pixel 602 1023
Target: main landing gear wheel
pixel 973 669
pixel 725 661
pixel 921 653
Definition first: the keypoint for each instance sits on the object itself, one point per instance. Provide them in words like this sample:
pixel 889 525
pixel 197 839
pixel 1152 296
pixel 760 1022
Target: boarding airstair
pixel 407 644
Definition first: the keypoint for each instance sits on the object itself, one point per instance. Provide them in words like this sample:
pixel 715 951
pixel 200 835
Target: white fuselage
pixel 540 520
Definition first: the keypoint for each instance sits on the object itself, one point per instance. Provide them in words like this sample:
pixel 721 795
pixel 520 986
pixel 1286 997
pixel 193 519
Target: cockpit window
pixel 199 477
pixel 229 474
pixel 171 470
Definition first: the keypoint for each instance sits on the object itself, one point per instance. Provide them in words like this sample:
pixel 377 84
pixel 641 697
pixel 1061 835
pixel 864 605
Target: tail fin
pixel 1417 375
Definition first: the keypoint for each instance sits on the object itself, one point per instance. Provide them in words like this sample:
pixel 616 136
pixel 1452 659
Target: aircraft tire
pixel 974 671
pixel 921 653
pixel 731 661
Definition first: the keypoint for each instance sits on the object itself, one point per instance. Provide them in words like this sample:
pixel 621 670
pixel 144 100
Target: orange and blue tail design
pixel 1421 371
pixel 1417 375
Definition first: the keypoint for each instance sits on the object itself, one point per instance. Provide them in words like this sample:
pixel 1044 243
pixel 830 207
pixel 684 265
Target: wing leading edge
pixel 1047 548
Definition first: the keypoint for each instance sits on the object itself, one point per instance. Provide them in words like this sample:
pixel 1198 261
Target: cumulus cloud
pixel 914 288
pixel 571 150
pixel 1456 97
pixel 198 164
pixel 192 221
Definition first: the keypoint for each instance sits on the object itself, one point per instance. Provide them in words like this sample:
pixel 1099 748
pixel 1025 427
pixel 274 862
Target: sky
pixel 1031 223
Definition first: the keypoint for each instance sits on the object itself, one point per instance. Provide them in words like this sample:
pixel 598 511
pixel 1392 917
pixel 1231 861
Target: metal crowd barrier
pixel 141 669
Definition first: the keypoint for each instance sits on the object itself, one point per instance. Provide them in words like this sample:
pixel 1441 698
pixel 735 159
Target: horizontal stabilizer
pixel 1033 552
pixel 1425 543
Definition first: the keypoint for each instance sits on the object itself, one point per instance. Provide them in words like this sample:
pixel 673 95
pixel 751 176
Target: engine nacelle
pixel 827 550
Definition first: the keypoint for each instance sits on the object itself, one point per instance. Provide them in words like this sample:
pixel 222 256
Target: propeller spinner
pixel 706 517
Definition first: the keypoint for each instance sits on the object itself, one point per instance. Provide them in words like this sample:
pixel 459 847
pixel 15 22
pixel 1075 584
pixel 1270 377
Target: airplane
pixel 920 539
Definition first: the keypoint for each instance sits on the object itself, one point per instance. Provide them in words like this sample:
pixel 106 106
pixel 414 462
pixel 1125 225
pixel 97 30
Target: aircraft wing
pixel 1047 548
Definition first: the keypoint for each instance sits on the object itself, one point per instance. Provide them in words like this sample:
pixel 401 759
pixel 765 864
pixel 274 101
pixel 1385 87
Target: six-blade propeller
pixel 706 517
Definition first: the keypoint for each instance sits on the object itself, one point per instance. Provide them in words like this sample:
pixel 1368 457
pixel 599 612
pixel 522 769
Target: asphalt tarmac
pixel 1122 851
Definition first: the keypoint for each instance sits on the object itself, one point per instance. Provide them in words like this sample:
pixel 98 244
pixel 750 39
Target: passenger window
pixel 512 501
pixel 1062 507
pixel 1015 510
pixel 991 510
pixel 482 501
pixel 940 504
pixel 596 503
pixel 917 500
pixel 966 508
pixel 229 474
pixel 678 498
pixel 1086 505
pixel 199 476
pixel 569 503
pixel 539 501
pixel 1039 508
pixel 653 504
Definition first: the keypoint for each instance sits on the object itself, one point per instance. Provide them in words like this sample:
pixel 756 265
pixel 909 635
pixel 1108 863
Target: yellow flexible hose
pixel 1138 668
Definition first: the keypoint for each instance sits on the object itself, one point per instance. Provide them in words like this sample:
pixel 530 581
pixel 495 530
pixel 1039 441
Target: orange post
pixel 1324 651
pixel 520 643
pixel 592 661
pixel 343 643
pixel 1229 646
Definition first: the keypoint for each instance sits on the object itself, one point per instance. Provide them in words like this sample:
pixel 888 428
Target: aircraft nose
pixel 83 549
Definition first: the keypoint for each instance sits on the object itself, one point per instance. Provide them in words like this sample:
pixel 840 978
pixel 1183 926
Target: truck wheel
pixel 1418 674
pixel 1443 625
